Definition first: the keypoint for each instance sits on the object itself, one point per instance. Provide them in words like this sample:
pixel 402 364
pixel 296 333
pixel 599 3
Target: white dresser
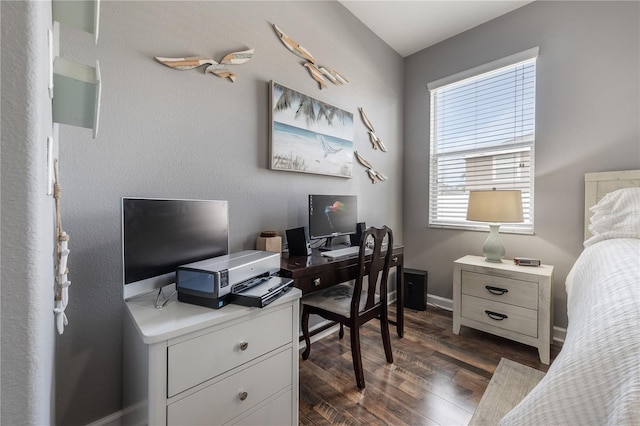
pixel 504 299
pixel 190 365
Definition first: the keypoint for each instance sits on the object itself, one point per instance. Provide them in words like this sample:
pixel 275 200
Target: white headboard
pixel 597 185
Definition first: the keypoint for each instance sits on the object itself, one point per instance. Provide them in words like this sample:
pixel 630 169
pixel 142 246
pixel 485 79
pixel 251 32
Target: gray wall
pixel 184 134
pixel 587 111
pixel 169 133
pixel 28 336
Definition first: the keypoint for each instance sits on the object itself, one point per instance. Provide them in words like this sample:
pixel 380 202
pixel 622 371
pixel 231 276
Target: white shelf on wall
pixel 74 87
pixel 76 94
pixel 83 15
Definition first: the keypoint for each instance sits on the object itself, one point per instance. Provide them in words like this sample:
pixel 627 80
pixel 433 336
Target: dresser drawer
pixel 501 289
pixel 197 360
pixel 275 413
pixel 229 398
pixel 500 315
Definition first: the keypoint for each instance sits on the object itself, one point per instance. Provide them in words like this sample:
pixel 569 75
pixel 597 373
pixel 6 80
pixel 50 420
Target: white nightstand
pixel 514 302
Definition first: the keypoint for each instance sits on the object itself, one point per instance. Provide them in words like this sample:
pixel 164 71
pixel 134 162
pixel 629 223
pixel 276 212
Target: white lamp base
pixel 493 249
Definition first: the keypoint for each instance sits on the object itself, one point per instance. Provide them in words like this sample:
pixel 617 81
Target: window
pixel 483 137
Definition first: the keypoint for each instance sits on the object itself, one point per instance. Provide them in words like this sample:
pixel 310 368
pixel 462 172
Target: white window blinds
pixel 482 137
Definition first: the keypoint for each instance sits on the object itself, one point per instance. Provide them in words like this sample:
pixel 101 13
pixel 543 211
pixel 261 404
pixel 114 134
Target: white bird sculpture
pixel 376 142
pixel 375 176
pixel 317 72
pixel 217 68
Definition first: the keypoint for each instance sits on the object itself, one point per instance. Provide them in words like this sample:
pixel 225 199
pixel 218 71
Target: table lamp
pixel 495 207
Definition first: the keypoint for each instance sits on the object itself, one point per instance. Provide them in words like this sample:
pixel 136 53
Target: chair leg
pixel 305 332
pixel 386 340
pixel 357 356
pixel 341 332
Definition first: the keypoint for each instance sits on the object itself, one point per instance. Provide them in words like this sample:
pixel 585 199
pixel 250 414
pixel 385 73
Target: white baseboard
pixel 131 416
pixel 114 419
pixel 440 302
pixel 559 334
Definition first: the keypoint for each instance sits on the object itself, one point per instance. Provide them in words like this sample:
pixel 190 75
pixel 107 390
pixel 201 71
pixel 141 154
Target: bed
pixel 595 379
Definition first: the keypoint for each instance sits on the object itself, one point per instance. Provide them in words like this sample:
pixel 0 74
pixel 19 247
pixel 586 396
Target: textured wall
pixel 168 133
pixel 28 337
pixel 587 110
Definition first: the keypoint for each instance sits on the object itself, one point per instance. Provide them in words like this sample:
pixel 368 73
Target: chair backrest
pixel 369 273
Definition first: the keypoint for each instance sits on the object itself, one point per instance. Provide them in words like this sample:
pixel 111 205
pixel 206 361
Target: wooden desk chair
pixel 354 305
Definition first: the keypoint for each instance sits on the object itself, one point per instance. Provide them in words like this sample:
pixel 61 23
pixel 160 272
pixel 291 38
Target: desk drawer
pixel 202 358
pixel 315 282
pixel 501 289
pixel 221 402
pixel 500 315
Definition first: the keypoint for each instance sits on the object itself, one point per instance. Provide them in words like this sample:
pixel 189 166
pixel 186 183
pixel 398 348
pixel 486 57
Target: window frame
pixel 522 146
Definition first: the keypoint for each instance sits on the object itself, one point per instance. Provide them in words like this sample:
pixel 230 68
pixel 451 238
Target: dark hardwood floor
pixel 437 377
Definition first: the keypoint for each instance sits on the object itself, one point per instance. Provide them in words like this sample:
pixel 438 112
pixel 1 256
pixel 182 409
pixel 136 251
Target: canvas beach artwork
pixel 308 135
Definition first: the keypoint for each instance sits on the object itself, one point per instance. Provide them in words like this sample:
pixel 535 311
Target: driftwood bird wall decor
pixel 319 73
pixel 376 142
pixel 375 176
pixel 217 68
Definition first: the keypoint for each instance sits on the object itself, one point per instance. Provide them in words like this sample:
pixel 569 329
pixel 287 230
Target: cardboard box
pixel 273 244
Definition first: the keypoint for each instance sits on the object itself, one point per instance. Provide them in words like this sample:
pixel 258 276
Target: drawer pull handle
pixel 316 282
pixel 243 395
pixel 244 346
pixel 496 290
pixel 496 316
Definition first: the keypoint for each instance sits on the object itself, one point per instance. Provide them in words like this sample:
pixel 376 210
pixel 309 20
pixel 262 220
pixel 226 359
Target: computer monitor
pixel 158 235
pixel 332 216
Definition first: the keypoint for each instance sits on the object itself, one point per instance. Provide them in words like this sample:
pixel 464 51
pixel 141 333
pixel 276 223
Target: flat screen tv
pixel 158 235
pixel 332 216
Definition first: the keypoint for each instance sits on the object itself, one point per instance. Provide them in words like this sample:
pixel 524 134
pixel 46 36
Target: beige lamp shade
pixel 497 206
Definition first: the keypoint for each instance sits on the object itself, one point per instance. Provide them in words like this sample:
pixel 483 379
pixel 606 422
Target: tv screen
pixel 332 215
pixel 158 235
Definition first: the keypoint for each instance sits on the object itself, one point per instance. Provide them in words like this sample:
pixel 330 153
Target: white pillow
pixel 616 215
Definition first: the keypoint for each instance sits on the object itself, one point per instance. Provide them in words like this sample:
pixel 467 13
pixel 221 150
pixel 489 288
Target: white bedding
pixel 595 380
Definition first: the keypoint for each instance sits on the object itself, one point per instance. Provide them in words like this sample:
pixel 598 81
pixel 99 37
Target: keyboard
pixel 345 252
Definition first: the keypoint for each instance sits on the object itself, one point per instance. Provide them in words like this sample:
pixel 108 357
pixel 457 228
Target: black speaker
pixel 298 241
pixel 415 289
pixel 354 239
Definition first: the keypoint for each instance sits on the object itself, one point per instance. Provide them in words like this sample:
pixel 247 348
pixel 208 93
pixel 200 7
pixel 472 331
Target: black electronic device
pixel 355 238
pixel 415 285
pixel 260 295
pixel 526 261
pixel 158 235
pixel 332 216
pixel 298 241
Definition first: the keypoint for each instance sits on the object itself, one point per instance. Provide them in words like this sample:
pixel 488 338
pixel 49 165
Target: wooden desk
pixel 315 272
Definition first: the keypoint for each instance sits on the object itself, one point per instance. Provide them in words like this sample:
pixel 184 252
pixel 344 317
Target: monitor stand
pixel 328 246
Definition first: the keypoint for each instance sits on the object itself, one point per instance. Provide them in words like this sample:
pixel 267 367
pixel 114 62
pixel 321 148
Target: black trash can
pixel 415 289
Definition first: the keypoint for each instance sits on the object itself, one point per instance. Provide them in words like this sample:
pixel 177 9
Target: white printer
pixel 247 278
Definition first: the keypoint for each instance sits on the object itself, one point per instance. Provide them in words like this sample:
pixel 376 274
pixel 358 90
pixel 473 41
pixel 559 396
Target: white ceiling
pixel 410 26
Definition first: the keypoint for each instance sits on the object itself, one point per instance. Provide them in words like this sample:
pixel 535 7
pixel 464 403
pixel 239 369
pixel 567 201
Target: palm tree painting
pixel 308 135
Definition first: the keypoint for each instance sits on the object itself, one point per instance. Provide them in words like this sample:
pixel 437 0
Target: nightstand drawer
pixel 508 317
pixel 500 289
